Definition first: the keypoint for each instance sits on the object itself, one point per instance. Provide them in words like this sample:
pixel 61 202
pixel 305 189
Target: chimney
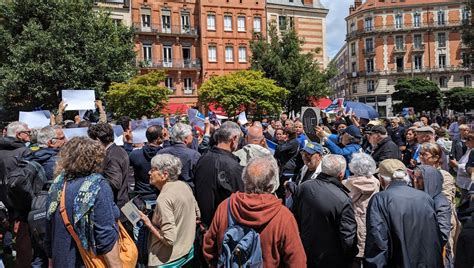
pixel 357 3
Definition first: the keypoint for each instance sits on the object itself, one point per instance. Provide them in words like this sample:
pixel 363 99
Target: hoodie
pixel 140 160
pixel 280 242
pixel 46 157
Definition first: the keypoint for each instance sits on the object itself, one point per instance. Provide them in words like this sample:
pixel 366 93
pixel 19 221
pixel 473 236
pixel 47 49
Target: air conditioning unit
pixel 310 117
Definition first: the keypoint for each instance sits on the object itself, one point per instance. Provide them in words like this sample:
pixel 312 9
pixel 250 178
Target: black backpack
pixel 37 218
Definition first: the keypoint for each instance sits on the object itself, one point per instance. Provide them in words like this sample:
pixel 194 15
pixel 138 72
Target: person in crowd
pixel 89 204
pixel 430 180
pixel 255 146
pixel 278 125
pixel 266 133
pixel 140 159
pixel 181 140
pixel 300 135
pixel 350 139
pixel 423 135
pixel 324 202
pixel 425 120
pixel 50 141
pixel 173 226
pixel 257 207
pixel 405 234
pixel 396 132
pixel 271 128
pixel 443 141
pixel 286 155
pixel 362 186
pixel 463 177
pixel 312 155
pixel 126 123
pixel 289 123
pixel 116 162
pixel 283 118
pixel 464 246
pixel 459 148
pixel 409 149
pixel 218 173
pixel 454 127
pixel 13 146
pixel 382 146
pixel 280 136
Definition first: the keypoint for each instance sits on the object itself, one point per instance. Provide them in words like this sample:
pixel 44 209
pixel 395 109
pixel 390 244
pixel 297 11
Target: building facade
pixel 307 17
pixel 119 10
pixel 339 83
pixel 388 40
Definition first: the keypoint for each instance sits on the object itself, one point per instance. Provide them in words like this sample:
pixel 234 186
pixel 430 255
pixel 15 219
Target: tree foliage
pixel 48 45
pixel 282 60
pixel 460 99
pixel 242 90
pixel 141 96
pixel 421 93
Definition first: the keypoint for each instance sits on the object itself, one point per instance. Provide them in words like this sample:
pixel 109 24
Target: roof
pixel 296 3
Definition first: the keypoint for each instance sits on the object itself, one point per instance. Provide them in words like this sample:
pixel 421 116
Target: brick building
pixel 392 39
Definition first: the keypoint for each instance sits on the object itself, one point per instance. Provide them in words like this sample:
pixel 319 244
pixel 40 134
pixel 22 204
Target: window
pixel 465 15
pixel 441 39
pixel 146 19
pixel 370 86
pixel 399 63
pixel 185 23
pixel 167 56
pixel 353 27
pixel 417 41
pixel 370 99
pixel 368 24
pixel 398 21
pixel 166 21
pixel 241 23
pixel 212 53
pixel 188 85
pixel 242 54
pixel 292 22
pixel 186 52
pixel 211 22
pixel 441 18
pixel 227 22
pixel 443 82
pixel 418 62
pixel 229 54
pixel 466 60
pixel 353 49
pixel 442 60
pixel 370 65
pixel 399 42
pixel 416 20
pixel 169 82
pixel 354 67
pixel 147 57
pixel 369 45
pixel 362 99
pixel 257 24
pixel 467 81
pixel 282 23
pixel 354 87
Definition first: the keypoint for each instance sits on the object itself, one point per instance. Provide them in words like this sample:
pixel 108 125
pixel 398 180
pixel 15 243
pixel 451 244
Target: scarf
pixel 83 207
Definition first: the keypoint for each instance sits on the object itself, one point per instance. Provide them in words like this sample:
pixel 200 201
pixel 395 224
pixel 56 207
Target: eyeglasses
pixel 27 132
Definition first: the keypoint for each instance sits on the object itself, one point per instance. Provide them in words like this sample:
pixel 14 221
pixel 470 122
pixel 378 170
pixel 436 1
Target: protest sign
pixel 35 119
pixel 139 135
pixel 70 133
pixel 79 99
pixel 243 118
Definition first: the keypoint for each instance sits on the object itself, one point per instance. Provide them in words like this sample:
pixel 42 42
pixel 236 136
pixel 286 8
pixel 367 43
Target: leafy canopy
pixel 141 96
pixel 460 99
pixel 421 93
pixel 241 90
pixel 282 60
pixel 49 45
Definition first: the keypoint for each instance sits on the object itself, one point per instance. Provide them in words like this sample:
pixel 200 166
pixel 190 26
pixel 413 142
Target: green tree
pixel 49 45
pixel 282 60
pixel 420 93
pixel 243 89
pixel 460 99
pixel 141 96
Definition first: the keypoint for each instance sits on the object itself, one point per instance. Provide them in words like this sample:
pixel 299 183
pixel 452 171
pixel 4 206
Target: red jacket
pixel 280 240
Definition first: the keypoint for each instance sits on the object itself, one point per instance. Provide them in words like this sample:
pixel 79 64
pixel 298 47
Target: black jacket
pixel 47 158
pixel 325 217
pixel 218 173
pixel 386 149
pixel 9 149
pixel 286 154
pixel 402 229
pixel 397 135
pixel 458 149
pixel 140 161
pixel 116 171
pixel 188 157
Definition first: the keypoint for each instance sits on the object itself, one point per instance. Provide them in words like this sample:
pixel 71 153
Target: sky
pixel 336 24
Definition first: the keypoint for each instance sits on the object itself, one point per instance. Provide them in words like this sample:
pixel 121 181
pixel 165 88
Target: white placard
pixel 118 135
pixel 79 99
pixel 139 135
pixel 70 133
pixel 35 119
pixel 131 212
pixel 243 118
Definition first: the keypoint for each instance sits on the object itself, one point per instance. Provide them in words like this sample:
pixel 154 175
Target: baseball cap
pixel 376 129
pixel 353 131
pixel 388 166
pixel 313 147
pixel 425 129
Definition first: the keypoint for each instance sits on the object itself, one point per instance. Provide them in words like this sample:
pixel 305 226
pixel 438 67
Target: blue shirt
pixel 347 152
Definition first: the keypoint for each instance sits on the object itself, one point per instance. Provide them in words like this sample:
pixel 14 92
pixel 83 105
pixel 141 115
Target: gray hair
pixel 180 131
pixel 227 131
pixel 45 135
pixel 261 176
pixel 168 163
pixel 333 165
pixel 362 164
pixel 14 127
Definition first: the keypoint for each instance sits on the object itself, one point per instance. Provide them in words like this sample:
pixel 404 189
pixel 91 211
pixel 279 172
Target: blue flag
pixel 271 146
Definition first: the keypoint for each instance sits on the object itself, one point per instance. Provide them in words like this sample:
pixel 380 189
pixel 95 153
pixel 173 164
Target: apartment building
pixel 119 10
pixel 388 40
pixel 307 17
pixel 339 83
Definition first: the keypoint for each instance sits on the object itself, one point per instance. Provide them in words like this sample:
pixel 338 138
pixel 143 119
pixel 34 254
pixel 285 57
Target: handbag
pixel 127 249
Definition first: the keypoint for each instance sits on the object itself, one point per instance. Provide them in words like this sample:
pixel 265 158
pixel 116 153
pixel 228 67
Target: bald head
pixel 254 135
pixel 261 175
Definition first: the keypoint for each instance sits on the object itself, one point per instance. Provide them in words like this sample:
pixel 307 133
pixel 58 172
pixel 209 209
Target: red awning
pixel 217 110
pixel 175 108
pixel 322 103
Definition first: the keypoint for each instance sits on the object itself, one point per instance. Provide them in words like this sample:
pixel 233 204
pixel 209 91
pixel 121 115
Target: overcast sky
pixel 335 24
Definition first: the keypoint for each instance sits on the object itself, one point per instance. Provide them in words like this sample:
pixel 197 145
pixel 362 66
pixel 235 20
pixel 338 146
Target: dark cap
pixel 376 129
pixel 353 131
pixel 313 147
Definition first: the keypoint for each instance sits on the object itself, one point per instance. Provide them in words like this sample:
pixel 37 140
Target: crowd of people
pixel 381 193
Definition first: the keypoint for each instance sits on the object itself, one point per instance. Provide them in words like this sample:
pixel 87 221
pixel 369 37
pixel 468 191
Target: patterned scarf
pixel 83 208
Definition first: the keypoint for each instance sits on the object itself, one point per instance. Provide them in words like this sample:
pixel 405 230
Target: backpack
pixel 37 218
pixel 241 246
pixel 23 183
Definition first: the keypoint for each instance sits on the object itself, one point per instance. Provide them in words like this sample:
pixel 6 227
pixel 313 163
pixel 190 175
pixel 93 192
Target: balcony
pixel 171 30
pixel 418 48
pixel 368 51
pixel 112 3
pixel 173 64
pixel 399 49
pixel 188 91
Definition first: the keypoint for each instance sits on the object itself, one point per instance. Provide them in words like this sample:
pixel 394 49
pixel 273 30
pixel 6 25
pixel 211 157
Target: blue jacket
pixel 347 151
pixel 46 157
pixel 301 140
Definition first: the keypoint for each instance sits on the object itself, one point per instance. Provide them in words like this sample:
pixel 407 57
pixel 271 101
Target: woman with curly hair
pixel 89 206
